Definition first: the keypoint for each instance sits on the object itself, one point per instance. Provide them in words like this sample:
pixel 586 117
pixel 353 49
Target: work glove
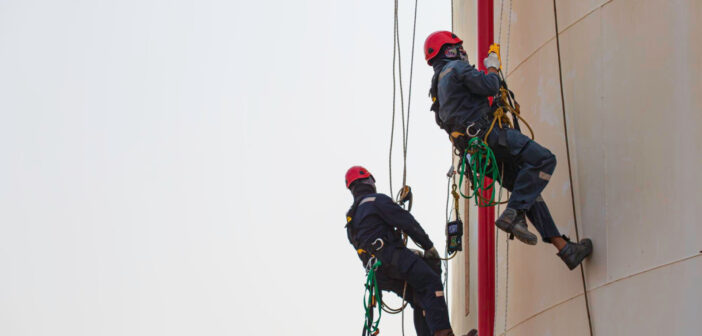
pixel 492 61
pixel 431 253
pixel 417 252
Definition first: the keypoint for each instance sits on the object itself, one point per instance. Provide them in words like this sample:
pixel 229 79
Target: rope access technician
pixel 373 227
pixel 462 109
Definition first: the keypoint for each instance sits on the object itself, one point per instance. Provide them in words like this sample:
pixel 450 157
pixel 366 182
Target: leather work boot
pixel 444 332
pixel 573 253
pixel 513 221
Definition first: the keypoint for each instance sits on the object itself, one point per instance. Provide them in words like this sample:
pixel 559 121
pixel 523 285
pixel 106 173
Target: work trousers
pixel 424 290
pixel 526 168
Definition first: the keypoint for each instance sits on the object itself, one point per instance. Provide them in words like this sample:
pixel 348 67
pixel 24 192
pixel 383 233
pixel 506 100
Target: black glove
pixel 431 253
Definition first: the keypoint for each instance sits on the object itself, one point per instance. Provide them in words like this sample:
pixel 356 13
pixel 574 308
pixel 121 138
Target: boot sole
pixel 504 226
pixel 525 237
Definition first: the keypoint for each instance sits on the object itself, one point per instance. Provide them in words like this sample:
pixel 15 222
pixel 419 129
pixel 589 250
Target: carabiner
pixel 382 243
pixel 469 133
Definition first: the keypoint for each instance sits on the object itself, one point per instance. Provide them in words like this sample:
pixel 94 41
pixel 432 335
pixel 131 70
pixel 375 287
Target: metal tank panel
pixel 538 279
pixel 632 85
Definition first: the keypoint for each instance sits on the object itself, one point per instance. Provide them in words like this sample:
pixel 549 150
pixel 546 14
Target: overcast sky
pixel 176 167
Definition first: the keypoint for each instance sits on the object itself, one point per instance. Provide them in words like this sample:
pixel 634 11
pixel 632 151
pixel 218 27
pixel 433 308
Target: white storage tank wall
pixel 463 283
pixel 631 82
pixel 632 71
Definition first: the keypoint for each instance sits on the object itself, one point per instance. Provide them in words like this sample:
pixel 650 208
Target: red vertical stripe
pixel 486 216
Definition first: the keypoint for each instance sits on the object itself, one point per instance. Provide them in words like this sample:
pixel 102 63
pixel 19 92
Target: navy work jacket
pixel 462 92
pixel 377 216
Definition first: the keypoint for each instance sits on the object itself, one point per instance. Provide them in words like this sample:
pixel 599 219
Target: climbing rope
pixel 504 105
pixel 570 168
pixel 394 90
pixel 451 174
pixel 397 83
pixel 481 163
pixel 370 298
pixel 405 128
pixel 497 273
pixel 504 102
pixel 404 194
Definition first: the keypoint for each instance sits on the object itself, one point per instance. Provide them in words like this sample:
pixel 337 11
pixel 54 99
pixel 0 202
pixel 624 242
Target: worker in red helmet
pixel 460 102
pixel 374 223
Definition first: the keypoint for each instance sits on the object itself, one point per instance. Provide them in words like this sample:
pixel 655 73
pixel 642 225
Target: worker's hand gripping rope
pixel 494 60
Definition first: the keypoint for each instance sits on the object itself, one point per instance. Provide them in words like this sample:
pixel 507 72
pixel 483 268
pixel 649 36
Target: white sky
pixel 176 167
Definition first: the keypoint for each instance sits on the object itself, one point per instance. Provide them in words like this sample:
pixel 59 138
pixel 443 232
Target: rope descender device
pixel 404 196
pixel 495 47
pixel 505 102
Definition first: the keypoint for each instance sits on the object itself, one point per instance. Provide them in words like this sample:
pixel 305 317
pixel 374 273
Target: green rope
pixel 372 292
pixel 482 163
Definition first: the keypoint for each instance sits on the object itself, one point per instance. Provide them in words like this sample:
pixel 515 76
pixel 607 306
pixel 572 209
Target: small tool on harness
pixel 451 172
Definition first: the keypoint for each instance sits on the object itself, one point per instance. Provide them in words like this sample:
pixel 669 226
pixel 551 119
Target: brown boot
pixel 444 332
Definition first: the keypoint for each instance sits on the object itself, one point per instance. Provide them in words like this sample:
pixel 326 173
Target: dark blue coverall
pixel 462 92
pixel 376 216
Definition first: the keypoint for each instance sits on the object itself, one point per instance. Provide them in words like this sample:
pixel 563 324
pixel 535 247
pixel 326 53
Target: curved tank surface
pixel 613 88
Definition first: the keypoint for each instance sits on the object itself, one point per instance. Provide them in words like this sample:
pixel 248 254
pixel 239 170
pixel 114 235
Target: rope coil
pixel 370 299
pixel 482 163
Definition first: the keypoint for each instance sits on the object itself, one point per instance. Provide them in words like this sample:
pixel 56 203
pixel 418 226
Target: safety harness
pixel 372 292
pixel 373 295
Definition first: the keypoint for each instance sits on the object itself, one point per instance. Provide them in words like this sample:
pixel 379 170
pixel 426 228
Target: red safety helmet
pixel 436 40
pixel 356 173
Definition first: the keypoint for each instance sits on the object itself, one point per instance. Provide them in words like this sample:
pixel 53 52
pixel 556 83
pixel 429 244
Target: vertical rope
pixel 497 234
pixel 506 291
pixel 499 34
pixel 397 65
pixel 399 72
pixel 409 96
pixel 445 261
pixel 397 61
pixel 404 127
pixel 509 29
pixel 394 89
pixel 570 169
pixel 504 330
pixel 452 28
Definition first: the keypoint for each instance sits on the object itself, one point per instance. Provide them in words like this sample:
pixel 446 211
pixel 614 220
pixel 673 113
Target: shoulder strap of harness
pixel 350 229
pixel 434 94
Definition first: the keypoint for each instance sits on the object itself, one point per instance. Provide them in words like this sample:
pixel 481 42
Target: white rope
pixel 506 290
pixel 397 64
